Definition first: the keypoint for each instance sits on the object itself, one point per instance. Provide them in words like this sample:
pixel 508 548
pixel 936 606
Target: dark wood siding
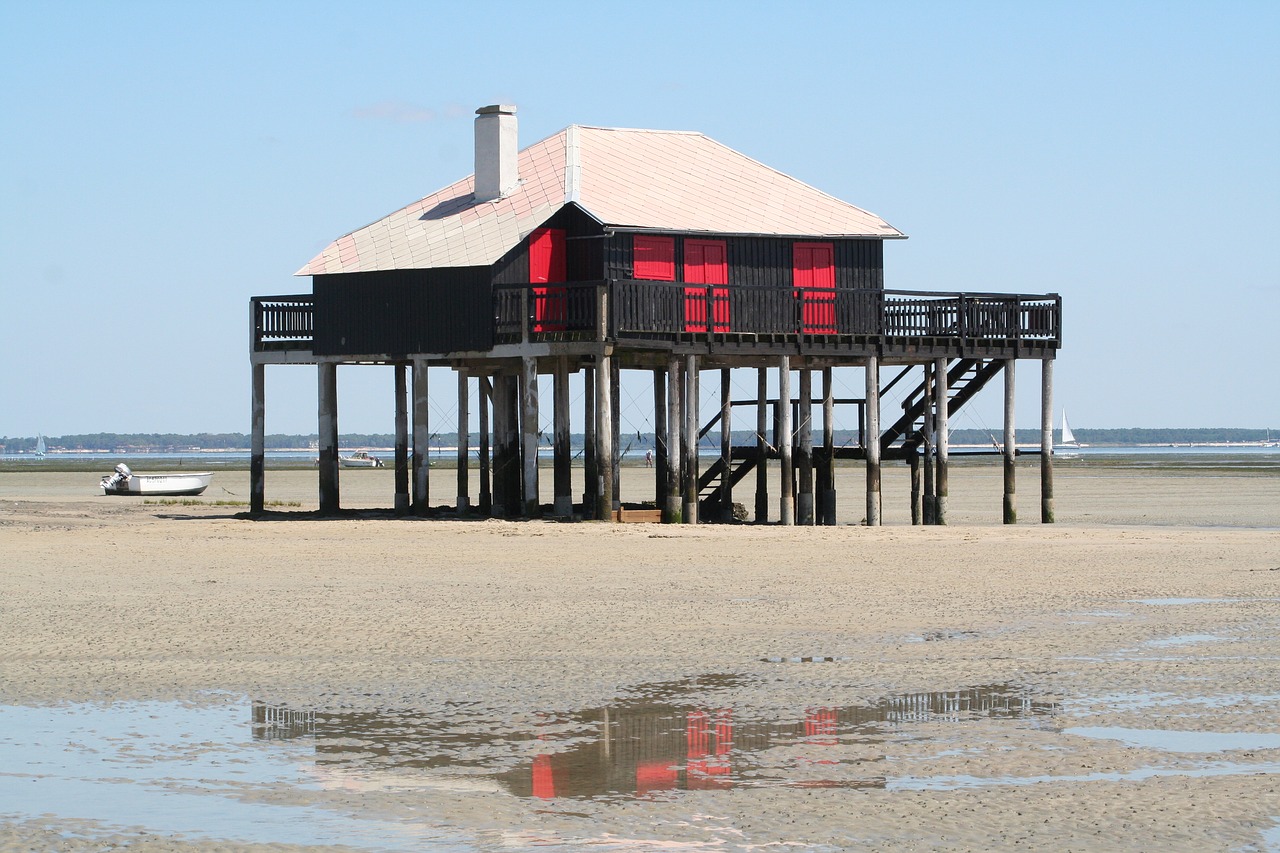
pixel 764 261
pixel 399 312
pixel 583 244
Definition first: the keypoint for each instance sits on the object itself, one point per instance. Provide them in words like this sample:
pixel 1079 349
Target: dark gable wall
pixel 766 261
pixel 584 248
pixel 398 312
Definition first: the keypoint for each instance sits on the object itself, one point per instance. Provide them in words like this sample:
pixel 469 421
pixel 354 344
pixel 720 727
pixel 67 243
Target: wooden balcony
pixel 636 314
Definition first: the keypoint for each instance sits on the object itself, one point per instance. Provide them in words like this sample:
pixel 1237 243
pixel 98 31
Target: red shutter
pixel 547 265
pixel 706 262
pixel 814 271
pixel 655 258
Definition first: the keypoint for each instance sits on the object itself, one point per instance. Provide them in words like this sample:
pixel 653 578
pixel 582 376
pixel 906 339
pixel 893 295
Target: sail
pixel 1068 437
pixel 40 448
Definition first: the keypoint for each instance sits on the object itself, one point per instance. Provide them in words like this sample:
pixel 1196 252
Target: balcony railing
pixel 283 322
pixel 658 310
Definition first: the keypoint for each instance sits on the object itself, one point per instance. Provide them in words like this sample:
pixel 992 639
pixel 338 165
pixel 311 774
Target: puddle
pixel 643 746
pixel 249 771
pixel 1181 741
pixel 176 769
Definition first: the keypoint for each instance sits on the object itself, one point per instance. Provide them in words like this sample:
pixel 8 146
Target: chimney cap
pixel 497 109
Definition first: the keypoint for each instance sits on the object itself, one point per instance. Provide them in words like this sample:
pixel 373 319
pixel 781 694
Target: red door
pixel 547 265
pixel 814 276
pixel 706 262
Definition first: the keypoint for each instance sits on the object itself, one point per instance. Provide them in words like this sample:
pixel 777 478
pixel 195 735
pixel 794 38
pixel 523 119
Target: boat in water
pixel 360 459
pixel 125 482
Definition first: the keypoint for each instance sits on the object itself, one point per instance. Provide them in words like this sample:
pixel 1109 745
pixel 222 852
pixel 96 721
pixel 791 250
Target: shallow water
pixel 219 769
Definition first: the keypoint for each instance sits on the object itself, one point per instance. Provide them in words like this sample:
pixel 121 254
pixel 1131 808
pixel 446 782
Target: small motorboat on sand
pixel 360 459
pixel 125 482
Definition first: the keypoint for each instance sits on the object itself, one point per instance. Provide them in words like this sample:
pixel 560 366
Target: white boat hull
pixel 159 485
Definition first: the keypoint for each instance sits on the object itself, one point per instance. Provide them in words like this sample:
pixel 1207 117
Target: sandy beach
pixel 174 677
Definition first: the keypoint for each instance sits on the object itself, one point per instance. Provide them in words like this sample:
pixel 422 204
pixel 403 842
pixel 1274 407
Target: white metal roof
pixel 627 179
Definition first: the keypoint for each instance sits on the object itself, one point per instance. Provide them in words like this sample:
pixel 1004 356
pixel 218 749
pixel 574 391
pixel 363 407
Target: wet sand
pixel 1153 606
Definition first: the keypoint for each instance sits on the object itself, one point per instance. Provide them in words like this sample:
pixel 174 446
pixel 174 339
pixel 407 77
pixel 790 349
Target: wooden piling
pixel 786 504
pixel 327 427
pixel 726 446
pixel 690 411
pixel 464 443
pixel 421 438
pixel 530 504
pixel 942 439
pixel 258 443
pixel 562 474
pixel 804 448
pixel 604 439
pixel 402 441
pixel 930 504
pixel 590 473
pixel 827 488
pixel 507 491
pixel 660 440
pixel 484 398
pixel 1010 446
pixel 615 401
pixel 1046 441
pixel 673 508
pixel 871 437
pixel 917 497
pixel 762 446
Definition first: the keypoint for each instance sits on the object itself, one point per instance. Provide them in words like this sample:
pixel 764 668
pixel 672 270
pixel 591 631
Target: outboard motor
pixel 116 480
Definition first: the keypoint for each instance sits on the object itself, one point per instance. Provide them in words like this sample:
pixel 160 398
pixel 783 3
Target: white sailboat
pixel 1067 445
pixel 41 450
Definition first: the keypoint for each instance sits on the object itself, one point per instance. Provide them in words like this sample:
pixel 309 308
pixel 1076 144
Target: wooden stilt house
pixel 599 250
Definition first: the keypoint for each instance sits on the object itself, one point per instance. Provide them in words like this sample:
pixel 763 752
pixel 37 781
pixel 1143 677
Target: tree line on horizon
pixel 178 442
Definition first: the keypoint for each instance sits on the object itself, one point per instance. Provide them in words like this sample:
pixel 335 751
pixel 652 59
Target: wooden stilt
pixel 917 497
pixel 930 421
pixel 507 492
pixel 327 417
pixel 502 498
pixel 872 439
pixel 762 446
pixel 484 398
pixel 1010 446
pixel 464 443
pixel 787 504
pixel 726 446
pixel 1046 441
pixel 421 438
pixel 691 439
pixel 562 452
pixel 258 445
pixel 590 473
pixel 660 440
pixel 827 488
pixel 615 401
pixel 530 504
pixel 673 510
pixel 402 441
pixel 604 439
pixel 804 448
pixel 942 440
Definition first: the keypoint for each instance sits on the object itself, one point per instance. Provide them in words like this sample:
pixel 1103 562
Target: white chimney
pixel 496 148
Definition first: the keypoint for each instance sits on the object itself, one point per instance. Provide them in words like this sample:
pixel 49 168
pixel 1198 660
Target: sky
pixel 161 163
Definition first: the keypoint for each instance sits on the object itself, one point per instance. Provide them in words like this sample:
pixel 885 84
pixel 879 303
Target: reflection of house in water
pixel 642 745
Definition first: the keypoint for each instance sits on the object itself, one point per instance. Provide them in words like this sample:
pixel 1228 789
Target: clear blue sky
pixel 163 162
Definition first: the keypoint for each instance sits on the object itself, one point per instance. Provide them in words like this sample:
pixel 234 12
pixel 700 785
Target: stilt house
pixel 603 249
